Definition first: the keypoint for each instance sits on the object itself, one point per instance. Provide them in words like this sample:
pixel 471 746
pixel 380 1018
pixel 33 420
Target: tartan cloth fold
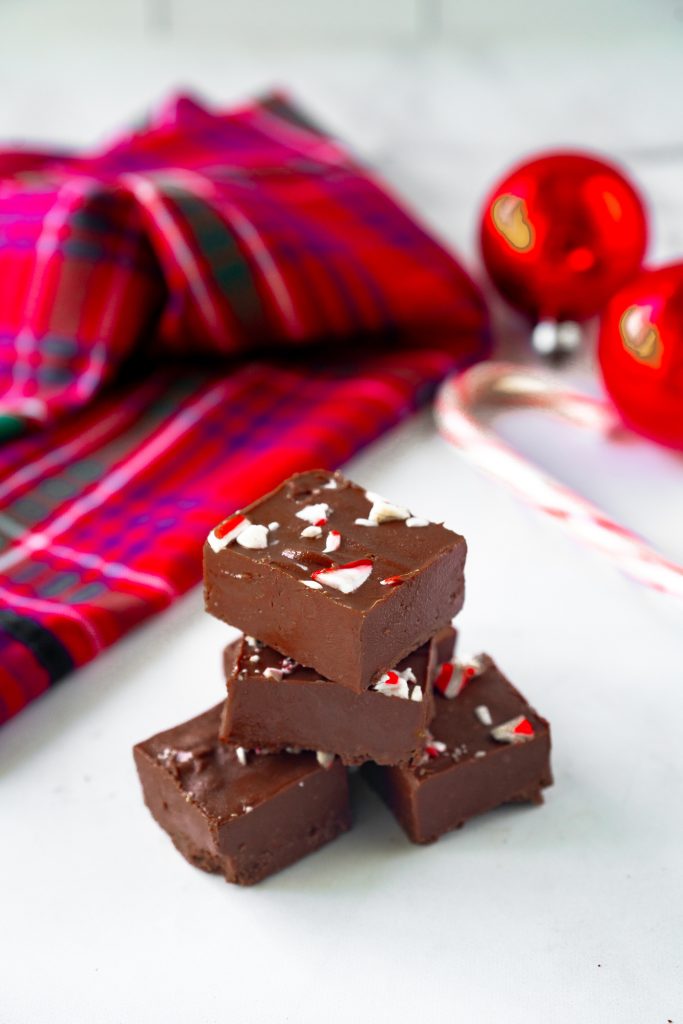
pixel 207 305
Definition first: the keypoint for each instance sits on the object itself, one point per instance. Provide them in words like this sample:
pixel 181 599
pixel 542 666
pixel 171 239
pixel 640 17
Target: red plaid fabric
pixel 208 305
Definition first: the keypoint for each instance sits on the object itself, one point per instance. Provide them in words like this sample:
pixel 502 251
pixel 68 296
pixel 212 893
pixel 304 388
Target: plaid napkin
pixel 207 305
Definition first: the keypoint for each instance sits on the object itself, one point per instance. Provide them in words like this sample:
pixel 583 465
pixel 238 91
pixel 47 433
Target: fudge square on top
pixel 334 576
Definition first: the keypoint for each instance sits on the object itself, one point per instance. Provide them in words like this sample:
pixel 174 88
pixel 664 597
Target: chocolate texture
pixel 239 814
pixel 489 748
pixel 334 577
pixel 275 703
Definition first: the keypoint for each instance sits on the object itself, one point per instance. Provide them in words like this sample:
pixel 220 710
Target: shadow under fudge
pixel 415 585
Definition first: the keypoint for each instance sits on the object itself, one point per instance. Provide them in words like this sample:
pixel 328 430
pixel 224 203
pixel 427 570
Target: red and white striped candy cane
pixel 506 384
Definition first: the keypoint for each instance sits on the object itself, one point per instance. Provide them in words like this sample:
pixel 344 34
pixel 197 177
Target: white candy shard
pixel 311 531
pixel 384 511
pixel 273 673
pixel 331 485
pixel 312 584
pixel 365 522
pixel 241 755
pixel 254 537
pixel 314 513
pixel 417 521
pixel 517 730
pixel 273 526
pixel 416 695
pixel 483 714
pixel 345 578
pixel 324 759
pixel 220 541
pixel 333 541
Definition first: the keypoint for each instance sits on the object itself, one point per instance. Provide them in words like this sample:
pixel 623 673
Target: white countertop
pixel 568 913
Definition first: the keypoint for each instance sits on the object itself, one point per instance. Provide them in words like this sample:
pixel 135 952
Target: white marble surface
pixel 567 913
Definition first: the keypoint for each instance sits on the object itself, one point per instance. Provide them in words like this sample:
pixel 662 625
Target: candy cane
pixel 506 384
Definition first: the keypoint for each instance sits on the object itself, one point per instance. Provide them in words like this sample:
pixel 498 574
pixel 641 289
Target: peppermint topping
pixel 324 759
pixel 273 673
pixel 517 730
pixel 331 485
pixel 365 522
pixel 392 581
pixel 483 714
pixel 454 676
pixel 311 531
pixel 254 537
pixel 384 511
pixel 273 526
pixel 395 684
pixel 241 755
pixel 333 541
pixel 434 748
pixel 417 521
pixel 345 578
pixel 226 532
pixel 288 666
pixel 314 513
pixel 311 584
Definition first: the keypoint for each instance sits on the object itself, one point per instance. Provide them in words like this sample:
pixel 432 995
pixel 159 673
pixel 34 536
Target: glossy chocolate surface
pixel 415 584
pixel 245 821
pixel 274 703
pixel 475 772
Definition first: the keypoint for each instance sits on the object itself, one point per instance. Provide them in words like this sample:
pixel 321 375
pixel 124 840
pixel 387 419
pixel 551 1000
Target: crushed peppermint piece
pixel 254 537
pixel 434 748
pixel 255 657
pixel 346 578
pixel 396 684
pixel 333 541
pixel 314 513
pixel 324 759
pixel 480 753
pixel 384 511
pixel 311 584
pixel 288 665
pixel 517 730
pixel 273 673
pixel 392 581
pixel 454 676
pixel 241 755
pixel 252 642
pixel 483 714
pixel 331 485
pixel 273 526
pixel 311 531
pixel 247 808
pixel 417 521
pixel 227 531
pixel 365 522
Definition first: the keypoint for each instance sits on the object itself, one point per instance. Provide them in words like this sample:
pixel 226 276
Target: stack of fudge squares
pixel 346 602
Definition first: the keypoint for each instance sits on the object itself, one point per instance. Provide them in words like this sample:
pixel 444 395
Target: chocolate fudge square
pixel 274 703
pixel 489 748
pixel 244 816
pixel 334 577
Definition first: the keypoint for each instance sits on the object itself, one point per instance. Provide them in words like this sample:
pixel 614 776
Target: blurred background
pixel 441 95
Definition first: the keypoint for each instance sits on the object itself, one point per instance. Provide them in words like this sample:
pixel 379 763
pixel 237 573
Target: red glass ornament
pixel 561 233
pixel 641 353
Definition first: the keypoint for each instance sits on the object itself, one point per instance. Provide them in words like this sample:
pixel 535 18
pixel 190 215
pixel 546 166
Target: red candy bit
pixel 392 581
pixel 392 679
pixel 444 677
pixel 224 528
pixel 524 728
pixel 435 748
pixel 320 522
